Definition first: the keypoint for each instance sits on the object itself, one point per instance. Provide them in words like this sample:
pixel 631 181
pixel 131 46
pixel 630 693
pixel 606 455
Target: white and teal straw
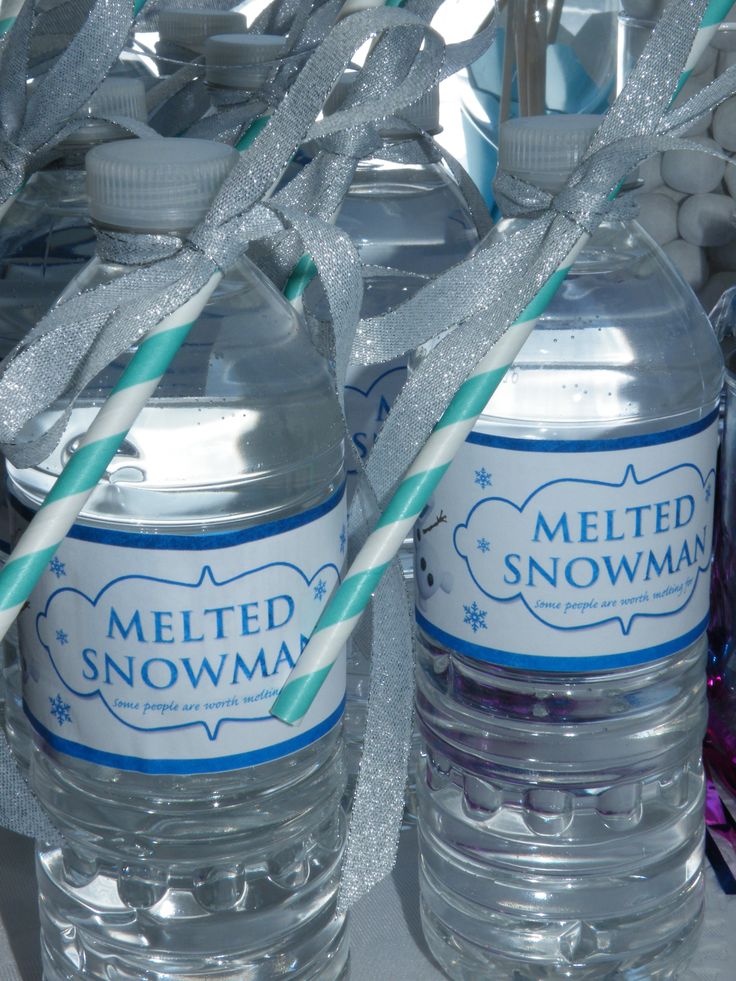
pixel 88 464
pixel 347 603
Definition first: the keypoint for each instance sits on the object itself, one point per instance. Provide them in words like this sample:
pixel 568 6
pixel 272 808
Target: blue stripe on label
pixel 217 764
pixel 542 662
pixel 592 445
pixel 192 543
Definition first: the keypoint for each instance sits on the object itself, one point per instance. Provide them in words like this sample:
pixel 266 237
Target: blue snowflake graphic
pixel 320 589
pixel 483 545
pixel 475 617
pixel 708 492
pixel 62 637
pixel 343 540
pixel 60 710
pixel 58 568
pixel 483 478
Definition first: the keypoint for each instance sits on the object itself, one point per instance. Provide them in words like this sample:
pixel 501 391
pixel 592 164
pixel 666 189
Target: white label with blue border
pixel 370 391
pixel 163 653
pixel 561 555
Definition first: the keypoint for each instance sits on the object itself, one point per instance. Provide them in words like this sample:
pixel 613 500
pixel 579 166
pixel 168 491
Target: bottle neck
pixel 59 188
pixel 554 183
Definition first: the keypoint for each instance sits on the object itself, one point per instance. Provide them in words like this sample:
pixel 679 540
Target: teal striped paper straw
pixel 341 615
pixel 87 465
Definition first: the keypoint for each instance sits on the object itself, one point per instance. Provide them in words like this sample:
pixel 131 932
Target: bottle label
pixel 560 555
pixel 164 653
pixel 370 391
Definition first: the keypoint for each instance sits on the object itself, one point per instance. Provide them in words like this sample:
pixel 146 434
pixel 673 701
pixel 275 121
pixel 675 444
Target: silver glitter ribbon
pixel 33 122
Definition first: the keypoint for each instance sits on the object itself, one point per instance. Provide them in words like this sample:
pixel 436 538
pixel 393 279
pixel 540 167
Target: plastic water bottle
pixel 46 237
pixel 183 32
pixel 409 222
pixel 203 838
pixel 183 35
pixel 562 609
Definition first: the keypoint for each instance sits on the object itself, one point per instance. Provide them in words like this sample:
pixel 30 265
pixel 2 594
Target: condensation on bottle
pixel 561 614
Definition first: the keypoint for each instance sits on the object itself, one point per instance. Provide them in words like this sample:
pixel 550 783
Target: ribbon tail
pixel 14 68
pixel 20 810
pixel 72 80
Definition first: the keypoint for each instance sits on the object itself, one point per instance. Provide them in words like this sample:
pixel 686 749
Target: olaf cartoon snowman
pixel 428 549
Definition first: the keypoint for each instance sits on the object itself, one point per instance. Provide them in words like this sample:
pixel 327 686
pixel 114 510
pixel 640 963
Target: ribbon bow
pixel 32 123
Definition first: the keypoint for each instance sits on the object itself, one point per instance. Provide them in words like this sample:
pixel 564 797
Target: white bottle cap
pixel 115 97
pixel 191 28
pixel 242 61
pixel 544 150
pixel 422 115
pixel 156 185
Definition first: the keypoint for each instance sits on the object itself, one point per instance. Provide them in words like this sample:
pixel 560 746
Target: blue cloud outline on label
pixel 206 572
pixel 629 474
pixel 366 393
pixel 360 406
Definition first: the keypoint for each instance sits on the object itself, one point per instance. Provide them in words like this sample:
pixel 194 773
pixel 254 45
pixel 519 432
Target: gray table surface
pixel 386 940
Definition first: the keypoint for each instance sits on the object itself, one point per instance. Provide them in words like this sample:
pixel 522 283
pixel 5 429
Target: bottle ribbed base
pixel 475 943
pixel 89 934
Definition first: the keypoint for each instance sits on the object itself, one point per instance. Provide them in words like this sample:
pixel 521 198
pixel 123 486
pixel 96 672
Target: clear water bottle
pixel 183 32
pixel 182 36
pixel 409 222
pixel 202 838
pixel 45 239
pixel 561 610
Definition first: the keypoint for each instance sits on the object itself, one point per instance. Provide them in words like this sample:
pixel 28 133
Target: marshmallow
pixel 676 196
pixel 726 59
pixel 714 289
pixel 689 261
pixel 730 177
pixel 723 257
pixel 707 219
pixel 724 124
pixel 691 87
pixel 658 216
pixel 648 173
pixel 725 37
pixel 683 171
